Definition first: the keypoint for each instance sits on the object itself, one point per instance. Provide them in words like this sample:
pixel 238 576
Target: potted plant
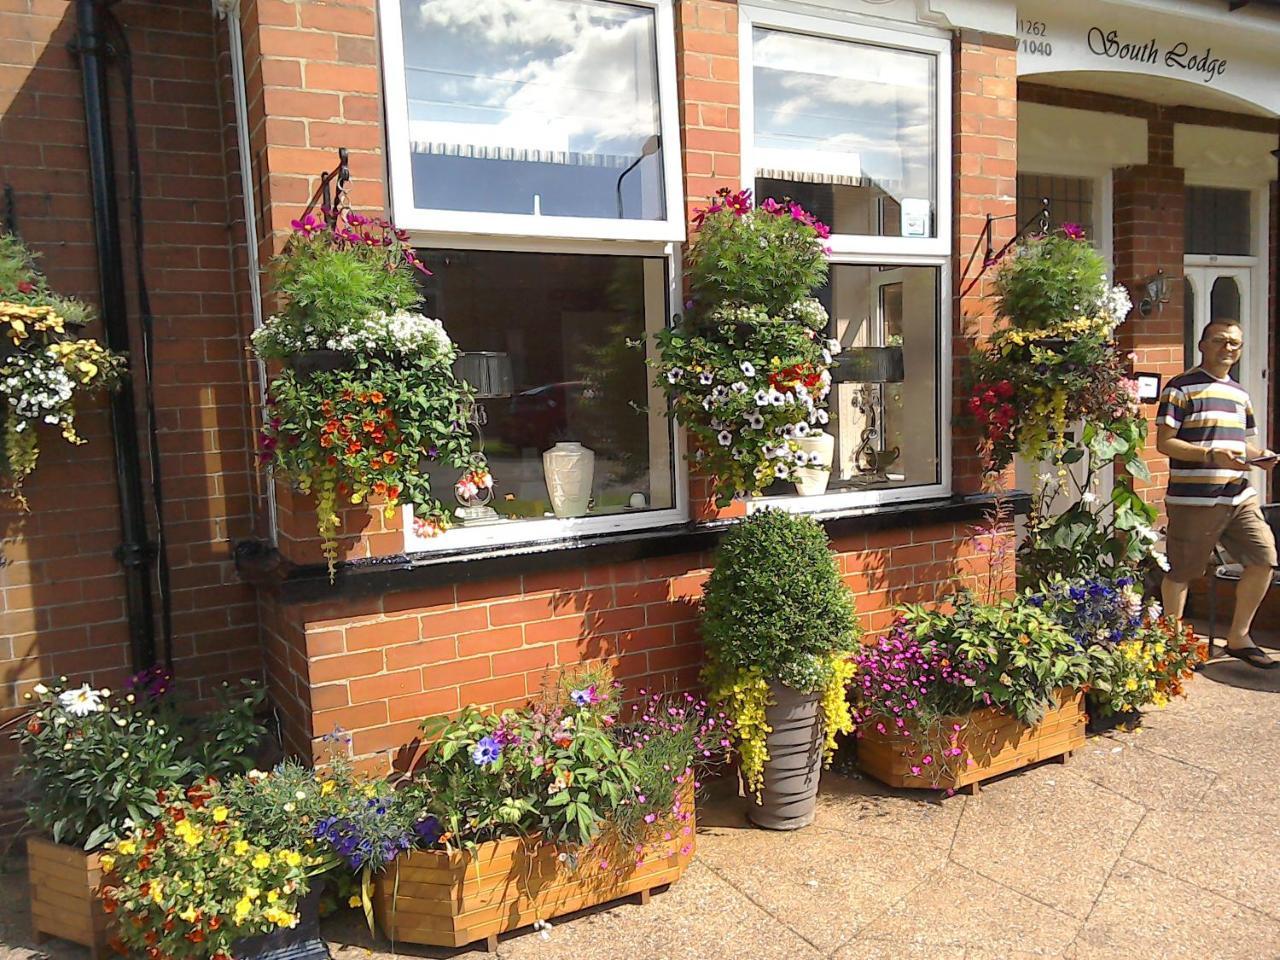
pixel 94 764
pixel 746 369
pixel 952 696
pixel 45 369
pixel 368 399
pixel 547 810
pixel 778 624
pixel 1139 657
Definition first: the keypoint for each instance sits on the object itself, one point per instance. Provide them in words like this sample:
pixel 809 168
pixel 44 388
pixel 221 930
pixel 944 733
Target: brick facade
pixel 376 665
pixel 61 591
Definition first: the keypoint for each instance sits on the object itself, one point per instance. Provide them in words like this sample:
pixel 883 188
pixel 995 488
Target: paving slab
pixel 1143 913
pixel 1125 768
pixel 1070 828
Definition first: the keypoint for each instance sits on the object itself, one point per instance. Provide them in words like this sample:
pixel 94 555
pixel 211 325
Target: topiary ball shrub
pixel 775 601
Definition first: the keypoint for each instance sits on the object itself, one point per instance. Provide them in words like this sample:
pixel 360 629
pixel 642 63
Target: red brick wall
pixel 61 600
pixel 376 666
pixel 1149 205
pixel 985 158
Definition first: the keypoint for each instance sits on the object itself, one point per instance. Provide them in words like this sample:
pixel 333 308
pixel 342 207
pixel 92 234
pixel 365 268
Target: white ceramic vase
pixel 812 481
pixel 569 468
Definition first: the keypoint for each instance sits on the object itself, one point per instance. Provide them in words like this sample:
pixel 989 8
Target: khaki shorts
pixel 1195 531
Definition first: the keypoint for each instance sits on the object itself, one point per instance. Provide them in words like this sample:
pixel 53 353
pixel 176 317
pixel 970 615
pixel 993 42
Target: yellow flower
pixel 241 847
pixel 252 893
pixel 353 901
pixel 188 914
pixel 327 788
pixel 261 861
pixel 127 847
pixel 1131 684
pixel 273 896
pixel 108 862
pixel 292 858
pixel 220 814
pixel 243 906
pixel 157 891
pixel 370 790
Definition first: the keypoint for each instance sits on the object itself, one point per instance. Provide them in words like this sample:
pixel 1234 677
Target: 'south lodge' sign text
pixel 1179 56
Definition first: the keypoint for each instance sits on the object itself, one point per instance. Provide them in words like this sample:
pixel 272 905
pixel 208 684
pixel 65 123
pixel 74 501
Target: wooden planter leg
pixel 974 788
pixel 1063 757
pixel 491 943
pixel 645 896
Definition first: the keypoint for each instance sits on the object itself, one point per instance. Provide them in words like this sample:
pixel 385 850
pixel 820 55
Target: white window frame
pixel 459 222
pixel 866 250
pixel 937 45
pixel 482 537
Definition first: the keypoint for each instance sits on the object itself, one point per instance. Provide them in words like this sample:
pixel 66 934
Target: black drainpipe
pixel 135 552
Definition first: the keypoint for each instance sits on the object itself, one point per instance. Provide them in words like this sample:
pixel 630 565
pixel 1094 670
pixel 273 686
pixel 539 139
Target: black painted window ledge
pixel 260 565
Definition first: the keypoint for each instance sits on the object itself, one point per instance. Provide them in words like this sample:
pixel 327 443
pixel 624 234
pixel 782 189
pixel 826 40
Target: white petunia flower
pixel 747 369
pixel 755 421
pixel 706 378
pixel 762 398
pixel 740 388
pixel 781 471
pixel 725 438
pixel 823 416
pixel 801 429
pixel 674 375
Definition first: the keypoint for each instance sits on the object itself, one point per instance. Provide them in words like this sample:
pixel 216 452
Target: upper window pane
pixel 849 130
pixel 534 107
pixel 1218 221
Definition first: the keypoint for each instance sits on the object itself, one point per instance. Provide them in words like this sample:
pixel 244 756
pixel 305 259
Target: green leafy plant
pixel 372 422
pixel 565 767
pixel 45 370
pixel 746 370
pixel 775 609
pixel 94 763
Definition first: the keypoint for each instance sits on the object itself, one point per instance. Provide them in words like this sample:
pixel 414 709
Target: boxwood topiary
pixel 775 601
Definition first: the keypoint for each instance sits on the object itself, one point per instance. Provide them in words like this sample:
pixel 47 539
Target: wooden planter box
pixel 993 743
pixel 452 899
pixel 64 895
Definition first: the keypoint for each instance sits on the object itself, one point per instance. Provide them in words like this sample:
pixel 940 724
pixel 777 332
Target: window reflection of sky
pixel 566 84
pixel 819 94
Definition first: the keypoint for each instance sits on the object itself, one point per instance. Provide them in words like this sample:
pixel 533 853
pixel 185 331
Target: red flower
pixel 25 286
pixel 161 796
pixel 389 457
pixel 34 726
pixel 1004 389
pixel 196 936
pixel 144 863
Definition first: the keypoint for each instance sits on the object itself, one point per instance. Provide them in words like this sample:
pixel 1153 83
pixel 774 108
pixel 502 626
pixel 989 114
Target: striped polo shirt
pixel 1208 412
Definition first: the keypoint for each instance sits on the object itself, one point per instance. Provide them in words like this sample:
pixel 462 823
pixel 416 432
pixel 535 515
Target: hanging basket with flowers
pixel 367 399
pixel 746 369
pixel 45 369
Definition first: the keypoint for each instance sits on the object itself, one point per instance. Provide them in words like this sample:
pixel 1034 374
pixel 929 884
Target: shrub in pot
pixel 779 625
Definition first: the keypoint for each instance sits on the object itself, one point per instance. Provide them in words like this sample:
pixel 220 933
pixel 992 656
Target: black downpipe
pixel 135 552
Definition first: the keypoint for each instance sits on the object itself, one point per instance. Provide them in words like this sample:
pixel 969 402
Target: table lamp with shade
pixel 872 365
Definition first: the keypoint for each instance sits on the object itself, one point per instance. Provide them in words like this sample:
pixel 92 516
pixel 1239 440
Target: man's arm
pixel 1167 442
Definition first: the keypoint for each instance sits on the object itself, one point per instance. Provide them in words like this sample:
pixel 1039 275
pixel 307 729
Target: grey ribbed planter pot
pixel 791 773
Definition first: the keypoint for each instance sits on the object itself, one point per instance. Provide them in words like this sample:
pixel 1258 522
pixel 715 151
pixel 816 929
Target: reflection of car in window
pixel 539 416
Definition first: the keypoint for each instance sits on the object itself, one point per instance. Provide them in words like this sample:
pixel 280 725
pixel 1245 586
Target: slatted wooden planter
pixel 453 899
pixel 64 895
pixel 993 743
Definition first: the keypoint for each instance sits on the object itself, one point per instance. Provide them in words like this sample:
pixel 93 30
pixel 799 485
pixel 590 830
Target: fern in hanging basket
pixel 367 399
pixel 45 369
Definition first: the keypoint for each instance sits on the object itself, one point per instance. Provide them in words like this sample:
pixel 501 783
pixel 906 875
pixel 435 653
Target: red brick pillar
pixel 710 131
pixel 985 158
pixel 1148 225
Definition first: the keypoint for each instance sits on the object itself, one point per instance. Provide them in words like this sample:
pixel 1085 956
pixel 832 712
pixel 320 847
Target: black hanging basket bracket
pixel 992 256
pixel 332 192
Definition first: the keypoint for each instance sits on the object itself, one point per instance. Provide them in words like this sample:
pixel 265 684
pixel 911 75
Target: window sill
pixel 398 572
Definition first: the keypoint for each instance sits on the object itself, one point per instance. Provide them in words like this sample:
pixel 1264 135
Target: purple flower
pixel 1073 231
pixel 486 752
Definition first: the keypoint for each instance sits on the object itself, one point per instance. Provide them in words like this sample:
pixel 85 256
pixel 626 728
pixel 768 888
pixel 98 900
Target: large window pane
pixel 849 130
pixel 1070 200
pixel 534 107
pixel 1218 221
pixel 552 332
pixel 884 403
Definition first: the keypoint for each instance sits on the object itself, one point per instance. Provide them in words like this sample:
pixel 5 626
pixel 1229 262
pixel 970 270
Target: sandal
pixel 1252 655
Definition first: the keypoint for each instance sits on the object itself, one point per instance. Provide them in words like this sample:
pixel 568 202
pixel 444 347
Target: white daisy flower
pixel 81 702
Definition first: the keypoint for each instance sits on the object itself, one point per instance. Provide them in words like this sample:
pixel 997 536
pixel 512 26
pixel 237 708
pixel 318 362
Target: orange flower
pixel 393 492
pixel 330 427
pixel 326 440
pixel 375 464
pixel 389 456
pixel 326 407
pixel 380 486
pixel 368 426
pixel 376 396
pixel 347 394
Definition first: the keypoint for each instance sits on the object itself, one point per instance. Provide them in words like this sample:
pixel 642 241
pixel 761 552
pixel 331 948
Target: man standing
pixel 1206 429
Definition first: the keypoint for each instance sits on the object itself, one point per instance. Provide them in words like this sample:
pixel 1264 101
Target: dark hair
pixel 1220 322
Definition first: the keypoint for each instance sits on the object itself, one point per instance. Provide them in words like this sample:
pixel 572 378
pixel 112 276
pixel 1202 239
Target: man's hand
pixel 1269 460
pixel 1227 460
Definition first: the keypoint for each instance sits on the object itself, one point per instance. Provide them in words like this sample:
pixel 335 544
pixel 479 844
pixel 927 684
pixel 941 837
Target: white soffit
pixel 1061 139
pixel 1204 57
pixel 1218 155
